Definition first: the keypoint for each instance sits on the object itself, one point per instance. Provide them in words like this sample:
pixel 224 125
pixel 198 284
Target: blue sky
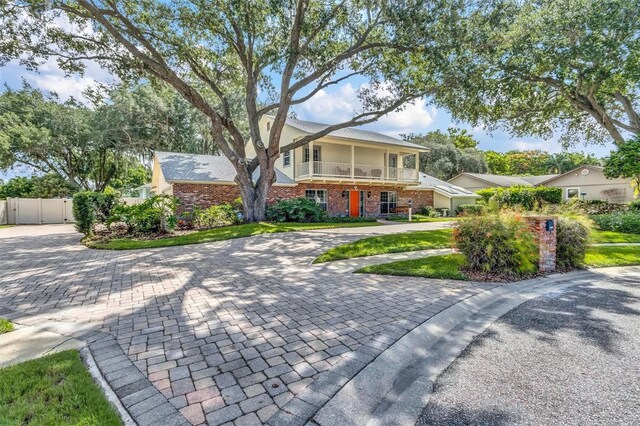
pixel 328 106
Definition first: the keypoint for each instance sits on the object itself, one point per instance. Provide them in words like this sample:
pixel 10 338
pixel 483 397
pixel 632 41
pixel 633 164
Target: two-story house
pixel 350 172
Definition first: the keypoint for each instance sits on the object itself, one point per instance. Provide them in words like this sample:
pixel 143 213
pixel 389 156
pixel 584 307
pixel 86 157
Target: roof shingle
pixel 179 167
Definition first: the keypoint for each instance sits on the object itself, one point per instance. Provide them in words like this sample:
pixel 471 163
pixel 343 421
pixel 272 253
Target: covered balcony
pixel 329 161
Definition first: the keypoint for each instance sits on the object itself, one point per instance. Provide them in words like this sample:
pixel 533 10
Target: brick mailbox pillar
pixel 544 229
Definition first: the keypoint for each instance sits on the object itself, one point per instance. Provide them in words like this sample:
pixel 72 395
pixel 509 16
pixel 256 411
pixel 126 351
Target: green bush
pixel 470 209
pixel 429 212
pixel 219 215
pixel 526 197
pixel 634 206
pixel 155 214
pixel 497 244
pixel 619 222
pixel 90 208
pixel 572 242
pixel 295 210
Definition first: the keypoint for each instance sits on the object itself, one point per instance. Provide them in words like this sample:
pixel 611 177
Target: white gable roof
pixel 310 127
pixel 179 167
pixel 443 188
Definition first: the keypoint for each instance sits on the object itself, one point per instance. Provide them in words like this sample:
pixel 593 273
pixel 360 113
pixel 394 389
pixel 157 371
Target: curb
pixel 393 389
pixel 86 355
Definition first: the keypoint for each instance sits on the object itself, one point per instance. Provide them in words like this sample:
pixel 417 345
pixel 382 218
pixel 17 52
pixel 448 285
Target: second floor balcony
pixel 355 171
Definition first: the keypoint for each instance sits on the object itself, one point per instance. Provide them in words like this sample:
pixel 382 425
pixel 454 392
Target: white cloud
pixel 549 146
pixel 340 105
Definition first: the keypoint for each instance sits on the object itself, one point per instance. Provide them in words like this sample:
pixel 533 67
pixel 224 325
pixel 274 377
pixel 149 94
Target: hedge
pixel 527 197
pixel 619 222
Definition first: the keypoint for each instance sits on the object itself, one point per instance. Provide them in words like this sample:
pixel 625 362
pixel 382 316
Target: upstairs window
pixel 286 159
pixel 388 202
pixel 319 196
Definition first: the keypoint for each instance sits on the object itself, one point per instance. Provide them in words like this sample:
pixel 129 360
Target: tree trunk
pixel 254 202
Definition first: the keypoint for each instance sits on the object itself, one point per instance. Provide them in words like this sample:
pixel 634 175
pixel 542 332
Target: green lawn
pixel 392 243
pixel 445 266
pixel 5 226
pixel 598 257
pixel 219 234
pixel 598 237
pixel 5 326
pixel 53 390
pixel 422 218
pixel 448 266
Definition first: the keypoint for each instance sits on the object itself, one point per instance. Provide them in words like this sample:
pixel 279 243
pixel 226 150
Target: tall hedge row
pixel 527 197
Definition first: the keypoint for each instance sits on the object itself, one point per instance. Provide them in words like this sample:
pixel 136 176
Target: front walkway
pixel 243 330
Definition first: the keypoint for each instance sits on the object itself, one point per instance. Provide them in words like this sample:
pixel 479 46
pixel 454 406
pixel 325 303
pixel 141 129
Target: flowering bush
pixel 499 244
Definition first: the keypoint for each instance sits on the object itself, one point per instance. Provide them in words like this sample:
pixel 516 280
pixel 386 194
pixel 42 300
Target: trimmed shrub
pixel 572 242
pixel 526 197
pixel 497 244
pixel 220 215
pixel 155 214
pixel 295 210
pixel 429 212
pixel 470 209
pixel 619 222
pixel 90 208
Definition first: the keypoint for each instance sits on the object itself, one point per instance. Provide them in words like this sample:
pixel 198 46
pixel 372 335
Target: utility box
pixel 544 229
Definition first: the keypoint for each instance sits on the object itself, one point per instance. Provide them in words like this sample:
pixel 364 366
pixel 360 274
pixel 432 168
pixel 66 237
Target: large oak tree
pixel 547 66
pixel 270 55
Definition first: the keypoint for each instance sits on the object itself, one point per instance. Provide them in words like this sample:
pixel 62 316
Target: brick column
pixel 546 239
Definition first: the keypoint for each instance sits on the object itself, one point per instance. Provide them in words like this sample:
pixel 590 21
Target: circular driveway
pixel 233 330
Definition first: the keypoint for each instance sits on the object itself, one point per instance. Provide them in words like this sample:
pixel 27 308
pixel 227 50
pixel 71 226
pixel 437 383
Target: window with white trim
pixel 388 201
pixel 573 193
pixel 319 196
pixel 286 158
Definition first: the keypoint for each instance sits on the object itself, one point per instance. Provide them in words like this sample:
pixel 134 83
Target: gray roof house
pixel 349 171
pixel 585 182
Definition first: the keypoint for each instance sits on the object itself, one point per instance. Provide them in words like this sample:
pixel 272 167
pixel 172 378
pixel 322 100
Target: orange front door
pixel 354 203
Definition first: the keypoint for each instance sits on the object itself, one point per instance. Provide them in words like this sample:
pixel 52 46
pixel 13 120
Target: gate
pixel 38 211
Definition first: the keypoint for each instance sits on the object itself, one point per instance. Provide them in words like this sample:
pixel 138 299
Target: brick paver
pixel 242 330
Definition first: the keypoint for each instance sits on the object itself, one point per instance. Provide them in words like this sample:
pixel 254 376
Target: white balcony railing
pixel 360 171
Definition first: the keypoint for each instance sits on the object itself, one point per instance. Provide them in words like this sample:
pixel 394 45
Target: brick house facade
pixel 206 195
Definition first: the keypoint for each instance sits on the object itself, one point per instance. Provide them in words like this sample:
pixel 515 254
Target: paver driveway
pixel 242 330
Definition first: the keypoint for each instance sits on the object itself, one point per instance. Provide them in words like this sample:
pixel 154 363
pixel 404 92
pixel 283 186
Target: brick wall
pixel 205 195
pixel 546 241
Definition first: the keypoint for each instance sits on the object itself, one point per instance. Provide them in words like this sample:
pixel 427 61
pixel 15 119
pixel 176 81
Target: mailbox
pixel 549 225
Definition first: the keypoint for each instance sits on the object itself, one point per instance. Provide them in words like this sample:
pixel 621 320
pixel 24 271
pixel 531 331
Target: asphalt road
pixel 571 358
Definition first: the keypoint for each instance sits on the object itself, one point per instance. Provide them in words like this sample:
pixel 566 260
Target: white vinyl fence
pixel 38 211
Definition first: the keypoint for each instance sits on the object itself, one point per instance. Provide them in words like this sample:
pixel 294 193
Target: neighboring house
pixel 584 182
pixel 143 191
pixel 477 181
pixel 350 172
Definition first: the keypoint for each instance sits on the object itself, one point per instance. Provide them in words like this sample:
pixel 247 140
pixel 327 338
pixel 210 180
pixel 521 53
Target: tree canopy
pixel 549 66
pixel 535 162
pixel 239 61
pixel 625 163
pixel 447 156
pixel 101 144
